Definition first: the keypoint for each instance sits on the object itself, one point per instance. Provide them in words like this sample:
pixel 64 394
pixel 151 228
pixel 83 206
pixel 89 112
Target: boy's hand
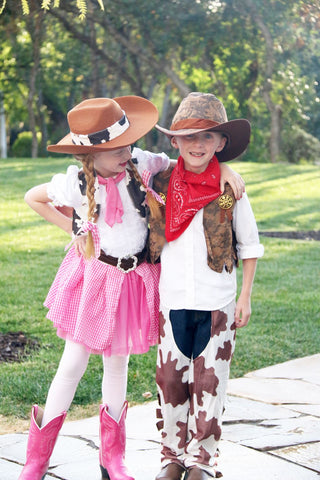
pixel 242 312
pixel 243 307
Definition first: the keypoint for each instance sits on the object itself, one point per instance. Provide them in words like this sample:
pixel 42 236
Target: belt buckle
pixel 134 263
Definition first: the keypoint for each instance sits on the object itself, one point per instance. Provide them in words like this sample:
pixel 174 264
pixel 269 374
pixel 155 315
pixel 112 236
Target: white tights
pixel 71 368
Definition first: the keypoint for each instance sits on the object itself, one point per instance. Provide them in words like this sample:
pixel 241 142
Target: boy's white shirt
pixel 187 282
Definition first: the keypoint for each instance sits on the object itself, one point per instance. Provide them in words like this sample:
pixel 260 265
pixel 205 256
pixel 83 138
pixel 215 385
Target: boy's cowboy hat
pixel 203 111
pixel 100 124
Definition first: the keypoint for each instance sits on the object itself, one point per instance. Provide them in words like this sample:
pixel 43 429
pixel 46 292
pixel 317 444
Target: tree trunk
pixel 95 80
pixel 34 25
pixel 275 133
pixel 3 136
pixel 42 123
pixel 163 143
pixel 275 128
pixel 275 110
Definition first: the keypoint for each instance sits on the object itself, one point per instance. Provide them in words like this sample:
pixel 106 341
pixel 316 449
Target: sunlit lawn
pixel 285 323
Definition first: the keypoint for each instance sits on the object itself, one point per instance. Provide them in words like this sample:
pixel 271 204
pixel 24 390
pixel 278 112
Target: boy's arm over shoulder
pixel 161 180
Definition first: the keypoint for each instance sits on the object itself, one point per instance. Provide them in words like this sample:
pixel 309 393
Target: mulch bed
pixel 15 346
pixel 309 235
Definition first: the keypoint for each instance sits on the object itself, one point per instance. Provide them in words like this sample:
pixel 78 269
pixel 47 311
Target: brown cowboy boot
pixel 195 473
pixel 173 471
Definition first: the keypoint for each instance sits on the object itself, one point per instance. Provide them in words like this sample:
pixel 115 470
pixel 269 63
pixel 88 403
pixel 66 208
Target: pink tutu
pixel 106 310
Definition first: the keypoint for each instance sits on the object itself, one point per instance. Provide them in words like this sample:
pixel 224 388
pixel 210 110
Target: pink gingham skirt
pixel 104 309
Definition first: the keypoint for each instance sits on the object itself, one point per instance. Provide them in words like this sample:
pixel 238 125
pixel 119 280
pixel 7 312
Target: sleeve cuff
pixel 252 251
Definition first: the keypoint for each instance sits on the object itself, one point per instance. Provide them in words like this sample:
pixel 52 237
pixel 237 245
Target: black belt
pixel 124 264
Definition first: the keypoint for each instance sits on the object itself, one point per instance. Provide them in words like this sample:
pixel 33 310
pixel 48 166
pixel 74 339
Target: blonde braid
pixel 88 168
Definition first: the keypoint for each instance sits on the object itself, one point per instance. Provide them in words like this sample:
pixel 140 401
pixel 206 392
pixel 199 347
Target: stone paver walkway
pixel 271 431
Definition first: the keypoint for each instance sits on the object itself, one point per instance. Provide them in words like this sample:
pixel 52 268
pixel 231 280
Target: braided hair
pixel 87 161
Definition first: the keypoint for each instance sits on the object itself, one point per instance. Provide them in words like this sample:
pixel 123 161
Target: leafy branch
pixel 47 4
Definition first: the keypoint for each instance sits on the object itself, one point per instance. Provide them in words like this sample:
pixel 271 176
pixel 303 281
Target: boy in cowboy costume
pixel 200 238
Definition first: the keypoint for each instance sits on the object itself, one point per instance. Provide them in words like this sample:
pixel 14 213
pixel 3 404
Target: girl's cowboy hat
pixel 203 111
pixel 100 124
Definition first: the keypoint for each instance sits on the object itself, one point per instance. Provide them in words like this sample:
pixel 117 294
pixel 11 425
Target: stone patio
pixel 271 431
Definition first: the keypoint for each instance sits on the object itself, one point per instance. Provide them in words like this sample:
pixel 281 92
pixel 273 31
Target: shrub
pixel 300 146
pixel 21 147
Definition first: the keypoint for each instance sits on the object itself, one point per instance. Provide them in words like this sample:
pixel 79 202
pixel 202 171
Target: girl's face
pixel 110 163
pixel 198 149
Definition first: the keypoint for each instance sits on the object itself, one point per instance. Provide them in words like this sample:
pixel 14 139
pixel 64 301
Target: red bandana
pixel 188 192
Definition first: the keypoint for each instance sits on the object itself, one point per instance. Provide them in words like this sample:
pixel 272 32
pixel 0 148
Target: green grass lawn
pixel 285 323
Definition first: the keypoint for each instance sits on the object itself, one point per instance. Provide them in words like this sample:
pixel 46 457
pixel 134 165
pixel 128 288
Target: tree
pixel 276 40
pixel 261 58
pixel 35 26
pixel 266 87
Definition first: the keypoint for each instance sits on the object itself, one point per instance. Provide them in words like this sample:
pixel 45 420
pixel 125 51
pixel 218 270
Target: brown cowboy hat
pixel 100 124
pixel 203 111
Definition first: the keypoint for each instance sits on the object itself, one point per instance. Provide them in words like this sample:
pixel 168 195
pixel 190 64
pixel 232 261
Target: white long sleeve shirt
pixel 187 282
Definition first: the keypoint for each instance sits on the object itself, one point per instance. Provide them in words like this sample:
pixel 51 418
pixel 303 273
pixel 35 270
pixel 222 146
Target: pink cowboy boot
pixel 112 445
pixel 41 442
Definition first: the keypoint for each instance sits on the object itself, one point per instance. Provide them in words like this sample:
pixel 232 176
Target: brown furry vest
pixel 217 223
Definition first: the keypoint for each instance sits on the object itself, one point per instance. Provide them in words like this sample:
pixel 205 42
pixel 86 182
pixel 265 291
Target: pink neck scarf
pixel 114 208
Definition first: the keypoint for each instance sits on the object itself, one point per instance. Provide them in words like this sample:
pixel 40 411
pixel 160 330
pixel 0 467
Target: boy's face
pixel 112 162
pixel 198 149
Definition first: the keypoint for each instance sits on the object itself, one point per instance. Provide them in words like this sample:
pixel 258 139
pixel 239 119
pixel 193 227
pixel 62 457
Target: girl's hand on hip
pixel 80 245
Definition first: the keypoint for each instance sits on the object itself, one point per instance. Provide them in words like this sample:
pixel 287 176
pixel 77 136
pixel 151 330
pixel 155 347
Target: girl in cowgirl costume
pixel 104 298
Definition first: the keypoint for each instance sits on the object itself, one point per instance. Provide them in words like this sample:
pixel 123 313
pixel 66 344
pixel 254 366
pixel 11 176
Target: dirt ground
pixel 15 346
pixel 309 235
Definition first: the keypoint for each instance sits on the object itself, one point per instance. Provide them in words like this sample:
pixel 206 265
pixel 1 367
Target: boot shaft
pixel 113 445
pixel 41 442
pixel 112 432
pixel 42 439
